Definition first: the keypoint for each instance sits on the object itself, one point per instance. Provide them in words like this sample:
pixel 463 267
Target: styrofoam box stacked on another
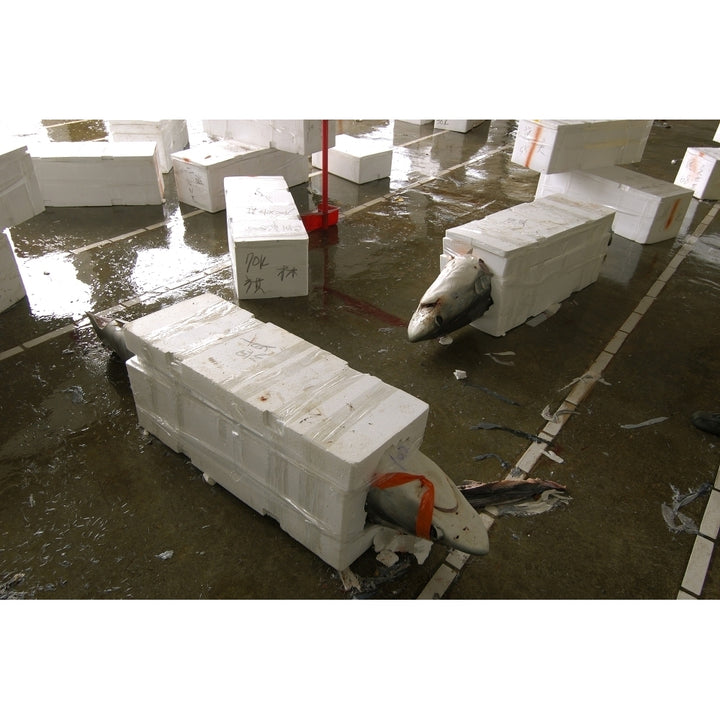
pixel 200 171
pixel 359 160
pixel 647 210
pixel 267 240
pixel 462 126
pixel 539 253
pixel 294 136
pixel 20 197
pixel 551 146
pixel 78 174
pixel 12 288
pixel 287 427
pixel 170 136
pixel 700 172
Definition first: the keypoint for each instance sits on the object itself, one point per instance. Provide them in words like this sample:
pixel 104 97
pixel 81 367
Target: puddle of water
pixel 52 286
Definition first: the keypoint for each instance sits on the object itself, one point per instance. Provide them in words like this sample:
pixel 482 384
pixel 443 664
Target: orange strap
pixel 427 501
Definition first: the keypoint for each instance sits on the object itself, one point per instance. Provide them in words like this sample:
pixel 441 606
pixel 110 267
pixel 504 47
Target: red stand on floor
pixel 325 215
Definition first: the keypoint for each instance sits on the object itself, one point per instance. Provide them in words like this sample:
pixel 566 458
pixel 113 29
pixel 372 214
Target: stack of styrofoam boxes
pixel 647 210
pixel 286 427
pixel 539 253
pixel 301 137
pixel 200 171
pixel 700 172
pixel 20 197
pixel 88 173
pixel 462 126
pixel 12 288
pixel 581 158
pixel 267 240
pixel 359 160
pixel 170 136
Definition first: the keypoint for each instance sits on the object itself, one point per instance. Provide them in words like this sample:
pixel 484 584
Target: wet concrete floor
pixel 93 507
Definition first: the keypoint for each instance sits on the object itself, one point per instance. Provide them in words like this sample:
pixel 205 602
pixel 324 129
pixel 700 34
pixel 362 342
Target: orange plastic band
pixel 672 214
pixel 531 152
pixel 427 501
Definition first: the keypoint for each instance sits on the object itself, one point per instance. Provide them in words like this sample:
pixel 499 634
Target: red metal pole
pixel 324 174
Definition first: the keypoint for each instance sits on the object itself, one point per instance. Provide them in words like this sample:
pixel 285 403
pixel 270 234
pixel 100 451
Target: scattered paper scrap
pixel 166 555
pixel 674 519
pixel 460 374
pixel 554 417
pixel 496 357
pixel 652 421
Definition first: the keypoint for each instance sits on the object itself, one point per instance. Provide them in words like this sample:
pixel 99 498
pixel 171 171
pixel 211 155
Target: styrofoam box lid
pixel 261 207
pixel 186 327
pixel 713 152
pixel 91 149
pixel 360 147
pixel 527 225
pixel 631 180
pixel 221 151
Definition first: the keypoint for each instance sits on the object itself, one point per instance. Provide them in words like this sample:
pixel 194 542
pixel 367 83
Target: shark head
pixel 459 295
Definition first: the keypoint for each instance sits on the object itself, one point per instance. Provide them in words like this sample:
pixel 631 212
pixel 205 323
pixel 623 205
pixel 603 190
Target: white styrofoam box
pixel 12 288
pixel 20 197
pixel 79 174
pixel 162 338
pixel 417 122
pixel 539 253
pixel 647 210
pixel 551 146
pixel 267 240
pixel 359 160
pixel 461 126
pixel 285 426
pixel 294 136
pixel 700 172
pixel 201 170
pixel 170 136
pixel 716 137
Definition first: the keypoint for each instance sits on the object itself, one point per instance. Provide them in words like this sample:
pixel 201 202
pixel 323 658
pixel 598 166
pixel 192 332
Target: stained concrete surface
pixel 93 507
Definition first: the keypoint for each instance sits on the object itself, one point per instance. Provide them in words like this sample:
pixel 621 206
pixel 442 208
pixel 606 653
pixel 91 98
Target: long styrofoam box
pixel 267 240
pixel 12 288
pixel 647 210
pixel 461 126
pixel 551 146
pixel 89 173
pixel 20 197
pixel 170 136
pixel 303 137
pixel 539 253
pixel 201 170
pixel 317 416
pixel 359 160
pixel 700 172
